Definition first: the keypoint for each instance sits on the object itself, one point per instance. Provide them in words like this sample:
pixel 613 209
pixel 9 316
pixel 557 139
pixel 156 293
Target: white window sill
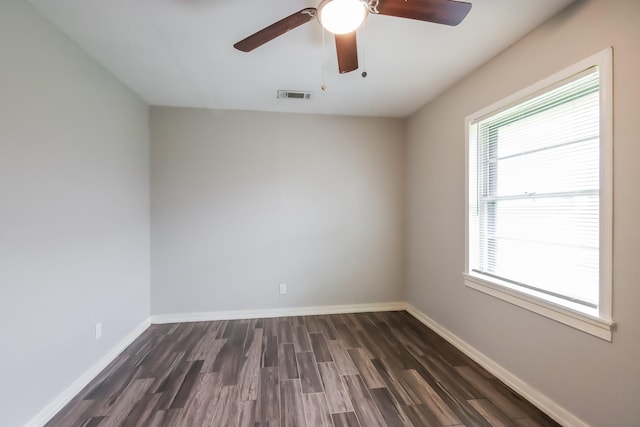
pixel 591 324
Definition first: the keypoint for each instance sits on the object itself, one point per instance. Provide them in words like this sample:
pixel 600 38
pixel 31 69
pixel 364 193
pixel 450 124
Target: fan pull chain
pixel 324 86
pixel 364 49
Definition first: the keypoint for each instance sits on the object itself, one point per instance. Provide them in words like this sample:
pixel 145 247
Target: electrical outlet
pixel 283 288
pixel 98 330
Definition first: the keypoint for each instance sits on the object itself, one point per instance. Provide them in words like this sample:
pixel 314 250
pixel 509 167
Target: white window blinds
pixel 534 192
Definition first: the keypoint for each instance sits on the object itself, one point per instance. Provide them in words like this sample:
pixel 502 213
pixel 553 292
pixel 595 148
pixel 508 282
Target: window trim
pixel 601 323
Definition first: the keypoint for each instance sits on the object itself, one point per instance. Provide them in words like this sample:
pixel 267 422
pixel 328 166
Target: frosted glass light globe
pixel 342 16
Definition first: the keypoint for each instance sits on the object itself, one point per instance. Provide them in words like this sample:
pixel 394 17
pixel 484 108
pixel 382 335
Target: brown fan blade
pixel 446 12
pixel 277 29
pixel 347 48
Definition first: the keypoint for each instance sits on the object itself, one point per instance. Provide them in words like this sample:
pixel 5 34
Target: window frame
pixel 600 324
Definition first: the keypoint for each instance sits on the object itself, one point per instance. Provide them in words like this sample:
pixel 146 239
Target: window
pixel 539 197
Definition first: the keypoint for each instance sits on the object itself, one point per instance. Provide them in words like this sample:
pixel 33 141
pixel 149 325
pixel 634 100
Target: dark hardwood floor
pixel 367 370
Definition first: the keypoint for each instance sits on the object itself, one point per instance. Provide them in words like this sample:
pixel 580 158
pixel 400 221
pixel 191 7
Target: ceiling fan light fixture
pixel 342 16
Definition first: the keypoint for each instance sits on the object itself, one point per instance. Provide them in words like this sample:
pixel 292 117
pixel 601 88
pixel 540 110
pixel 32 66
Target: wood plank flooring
pixel 355 370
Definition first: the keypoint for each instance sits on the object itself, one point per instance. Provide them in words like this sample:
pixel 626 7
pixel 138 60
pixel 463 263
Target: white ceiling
pixel 180 52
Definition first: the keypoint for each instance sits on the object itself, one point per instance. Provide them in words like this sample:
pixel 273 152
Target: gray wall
pixel 594 379
pixel 244 201
pixel 74 212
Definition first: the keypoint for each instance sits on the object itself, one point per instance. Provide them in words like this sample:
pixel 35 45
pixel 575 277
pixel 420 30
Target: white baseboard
pixel 275 312
pixel 42 417
pixel 533 395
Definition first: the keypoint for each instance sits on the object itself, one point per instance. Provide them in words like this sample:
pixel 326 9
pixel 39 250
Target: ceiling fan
pixel 344 17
